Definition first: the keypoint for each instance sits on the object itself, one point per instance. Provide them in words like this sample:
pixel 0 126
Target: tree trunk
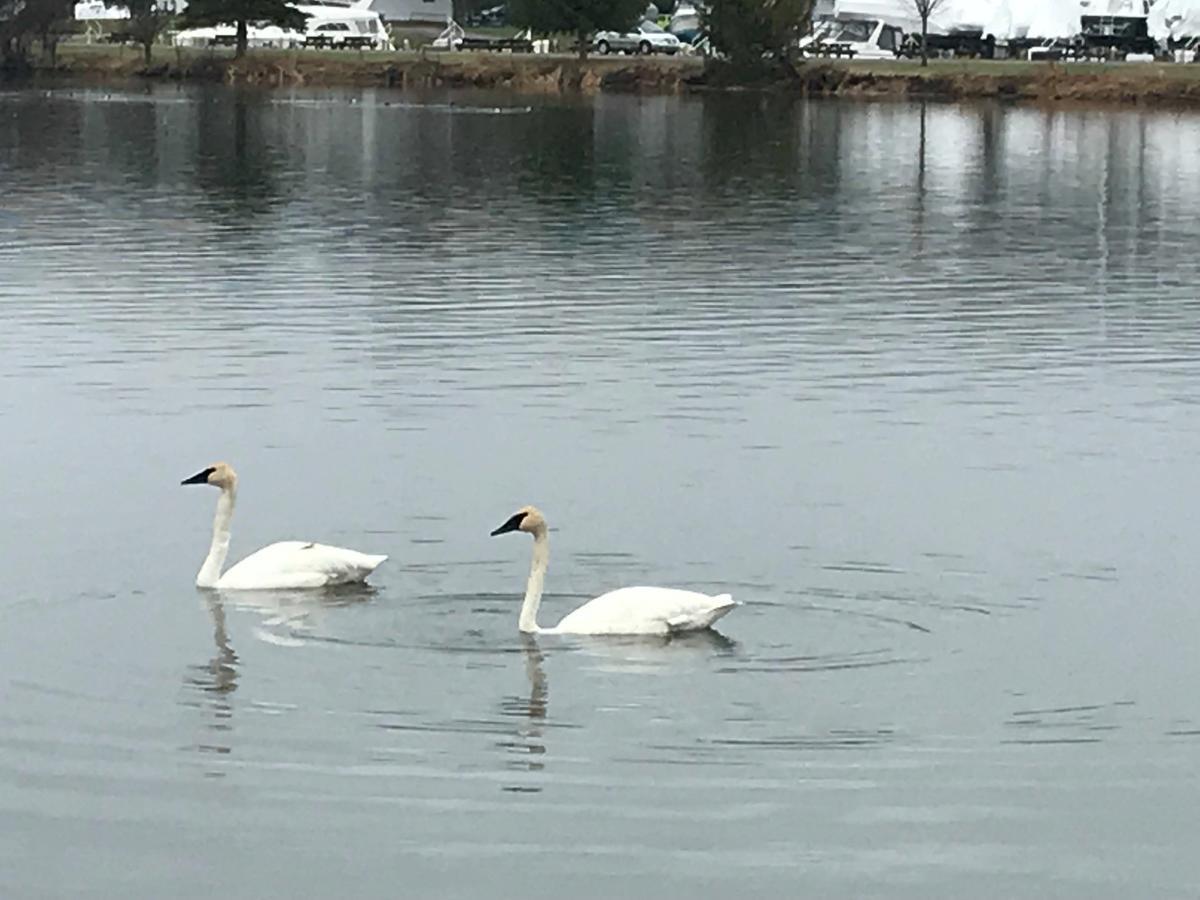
pixel 924 30
pixel 581 38
pixel 147 47
pixel 243 39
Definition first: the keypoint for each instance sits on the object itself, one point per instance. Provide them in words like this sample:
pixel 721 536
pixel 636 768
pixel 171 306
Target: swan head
pixel 528 519
pixel 218 475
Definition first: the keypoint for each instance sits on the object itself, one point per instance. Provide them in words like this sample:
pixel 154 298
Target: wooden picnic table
pixel 832 48
pixel 349 42
pixel 515 44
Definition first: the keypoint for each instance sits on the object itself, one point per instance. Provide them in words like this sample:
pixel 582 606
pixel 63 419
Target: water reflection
pixel 288 618
pixel 240 172
pixel 527 748
pixel 639 651
pixel 213 683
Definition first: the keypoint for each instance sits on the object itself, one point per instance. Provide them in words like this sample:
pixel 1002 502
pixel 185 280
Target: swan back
pixel 299 564
pixel 647 610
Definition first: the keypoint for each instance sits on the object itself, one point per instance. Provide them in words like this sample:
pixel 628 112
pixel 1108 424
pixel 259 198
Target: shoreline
pixel 1156 85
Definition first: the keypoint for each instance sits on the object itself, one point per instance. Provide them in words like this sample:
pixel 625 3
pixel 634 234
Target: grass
pixel 1019 67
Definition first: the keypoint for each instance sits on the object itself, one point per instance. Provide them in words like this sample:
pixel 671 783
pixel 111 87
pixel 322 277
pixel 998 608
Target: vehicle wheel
pixel 602 48
pixel 645 49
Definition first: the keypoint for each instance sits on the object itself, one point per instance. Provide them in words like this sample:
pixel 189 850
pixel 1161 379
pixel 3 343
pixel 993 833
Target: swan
pixel 631 610
pixel 283 565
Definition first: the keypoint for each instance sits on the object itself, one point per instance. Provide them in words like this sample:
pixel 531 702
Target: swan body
pixel 279 566
pixel 298 564
pixel 631 610
pixel 645 610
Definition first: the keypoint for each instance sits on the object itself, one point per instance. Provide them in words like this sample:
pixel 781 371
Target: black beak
pixel 511 525
pixel 199 477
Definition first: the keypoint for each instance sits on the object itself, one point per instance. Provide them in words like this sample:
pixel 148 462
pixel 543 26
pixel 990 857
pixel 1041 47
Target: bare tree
pixel 924 9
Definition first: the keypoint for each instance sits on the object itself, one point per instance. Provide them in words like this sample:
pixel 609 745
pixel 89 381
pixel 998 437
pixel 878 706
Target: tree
pixel 749 31
pixel 147 18
pixel 20 21
pixel 12 56
pixel 581 18
pixel 207 13
pixel 924 9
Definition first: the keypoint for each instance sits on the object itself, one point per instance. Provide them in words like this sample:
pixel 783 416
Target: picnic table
pixel 831 48
pixel 349 42
pixel 515 44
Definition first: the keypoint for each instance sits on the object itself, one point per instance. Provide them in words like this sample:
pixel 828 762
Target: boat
pixel 862 29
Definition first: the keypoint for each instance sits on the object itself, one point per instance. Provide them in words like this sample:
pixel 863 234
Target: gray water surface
pixel 918 385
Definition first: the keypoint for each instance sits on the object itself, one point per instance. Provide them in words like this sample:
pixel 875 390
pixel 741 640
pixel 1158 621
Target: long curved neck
pixel 210 572
pixel 537 578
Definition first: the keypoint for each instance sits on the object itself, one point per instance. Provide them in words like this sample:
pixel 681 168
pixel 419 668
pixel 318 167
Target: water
pixel 916 384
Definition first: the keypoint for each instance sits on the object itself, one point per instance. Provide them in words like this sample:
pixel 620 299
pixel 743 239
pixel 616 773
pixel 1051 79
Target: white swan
pixel 287 564
pixel 631 610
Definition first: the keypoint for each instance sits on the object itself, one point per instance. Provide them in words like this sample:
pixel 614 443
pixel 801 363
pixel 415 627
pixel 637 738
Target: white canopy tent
pixel 962 15
pixel 1004 19
pixel 1174 19
pixel 894 12
pixel 98 10
pixel 1034 19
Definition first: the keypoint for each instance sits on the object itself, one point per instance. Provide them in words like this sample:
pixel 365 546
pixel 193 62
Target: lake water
pixel 917 384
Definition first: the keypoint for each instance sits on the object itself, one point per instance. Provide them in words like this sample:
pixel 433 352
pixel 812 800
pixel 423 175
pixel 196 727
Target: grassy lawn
pixel 1019 67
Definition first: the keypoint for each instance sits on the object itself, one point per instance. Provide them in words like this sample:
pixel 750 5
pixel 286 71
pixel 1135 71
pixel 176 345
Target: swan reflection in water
pixel 638 653
pixel 284 618
pixel 212 685
pixel 527 747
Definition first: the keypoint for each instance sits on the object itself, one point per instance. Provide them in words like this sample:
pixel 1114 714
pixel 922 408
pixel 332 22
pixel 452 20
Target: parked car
pixel 644 38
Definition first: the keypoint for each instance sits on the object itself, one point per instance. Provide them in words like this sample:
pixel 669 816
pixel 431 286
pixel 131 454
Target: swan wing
pixel 646 610
pixel 299 564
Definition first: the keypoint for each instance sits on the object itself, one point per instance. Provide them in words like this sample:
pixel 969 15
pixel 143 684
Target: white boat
pixel 337 22
pixel 867 29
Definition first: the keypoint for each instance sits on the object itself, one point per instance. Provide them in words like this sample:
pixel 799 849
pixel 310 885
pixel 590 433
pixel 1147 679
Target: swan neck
pixel 537 579
pixel 210 572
